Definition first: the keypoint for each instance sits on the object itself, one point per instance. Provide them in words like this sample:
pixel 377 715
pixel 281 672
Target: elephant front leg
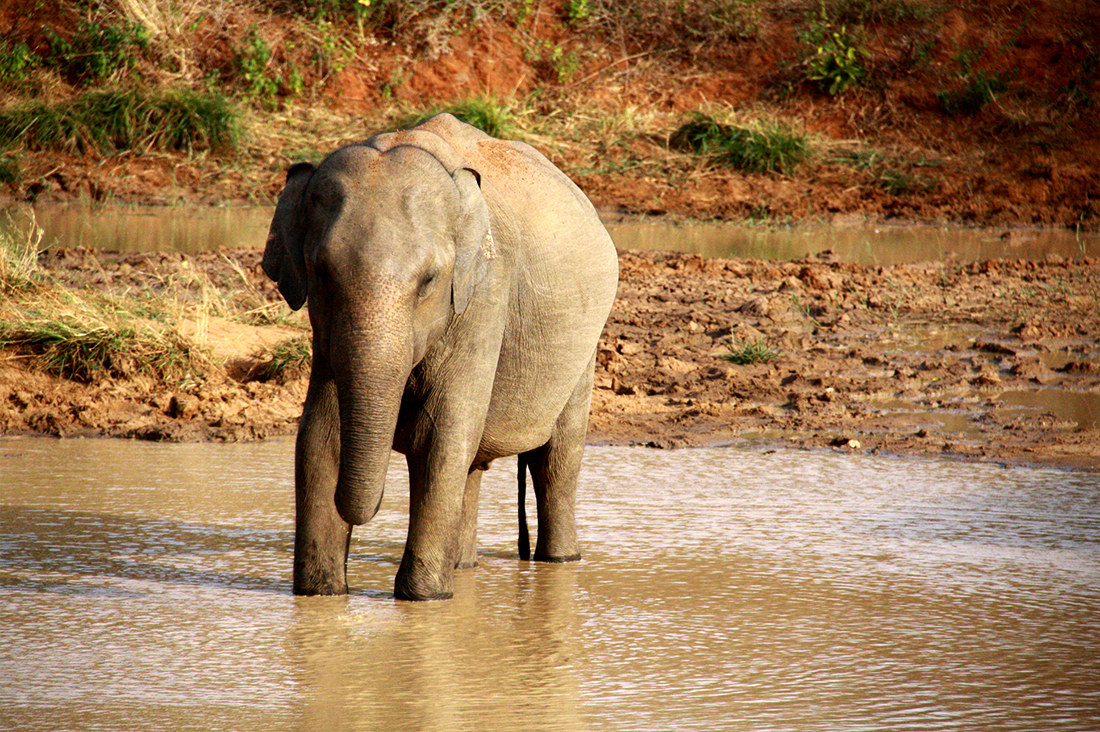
pixel 321 536
pixel 433 548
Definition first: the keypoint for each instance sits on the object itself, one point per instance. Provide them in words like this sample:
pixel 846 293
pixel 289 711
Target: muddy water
pixel 190 229
pixel 146 586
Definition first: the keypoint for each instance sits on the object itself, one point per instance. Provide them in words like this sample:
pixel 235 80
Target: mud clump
pixel 920 359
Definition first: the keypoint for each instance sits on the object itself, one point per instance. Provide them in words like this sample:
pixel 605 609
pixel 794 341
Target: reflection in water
pixel 193 229
pixel 871 244
pixel 1080 407
pixel 147 586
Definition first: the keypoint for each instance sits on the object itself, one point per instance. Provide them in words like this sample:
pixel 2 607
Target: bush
pixel 835 66
pixel 771 148
pixel 15 62
pixel 97 51
pixel 113 121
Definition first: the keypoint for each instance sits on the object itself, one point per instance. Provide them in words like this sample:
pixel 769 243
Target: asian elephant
pixel 457 287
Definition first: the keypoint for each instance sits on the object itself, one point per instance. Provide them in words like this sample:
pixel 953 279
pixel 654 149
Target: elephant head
pixel 388 248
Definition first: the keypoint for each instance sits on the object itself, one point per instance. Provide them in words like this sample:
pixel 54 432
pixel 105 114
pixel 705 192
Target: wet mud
pixel 994 361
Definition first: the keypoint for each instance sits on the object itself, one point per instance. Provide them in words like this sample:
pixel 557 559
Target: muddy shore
pixel 994 361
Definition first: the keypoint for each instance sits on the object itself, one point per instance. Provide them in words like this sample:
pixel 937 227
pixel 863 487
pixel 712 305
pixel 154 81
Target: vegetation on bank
pixel 208 80
pixel 84 334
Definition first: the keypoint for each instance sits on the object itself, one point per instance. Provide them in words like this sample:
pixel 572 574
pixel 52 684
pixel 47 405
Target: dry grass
pixel 20 243
pixel 157 326
pixel 82 337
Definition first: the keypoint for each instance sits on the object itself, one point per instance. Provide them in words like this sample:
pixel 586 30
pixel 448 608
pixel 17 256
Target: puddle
pixel 192 229
pixel 882 245
pixel 153 229
pixel 1082 408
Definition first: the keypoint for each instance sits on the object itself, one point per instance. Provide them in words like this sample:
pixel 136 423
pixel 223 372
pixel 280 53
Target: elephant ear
pixel 284 256
pixel 473 240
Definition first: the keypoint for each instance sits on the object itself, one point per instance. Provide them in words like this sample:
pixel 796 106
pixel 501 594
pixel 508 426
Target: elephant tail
pixel 524 536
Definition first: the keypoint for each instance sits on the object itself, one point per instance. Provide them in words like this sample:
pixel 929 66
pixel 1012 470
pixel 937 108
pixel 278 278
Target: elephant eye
pixel 426 284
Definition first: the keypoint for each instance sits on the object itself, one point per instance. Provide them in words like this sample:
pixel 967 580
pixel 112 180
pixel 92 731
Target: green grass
pixel 489 115
pixel 116 121
pixel 980 89
pixel 767 148
pixel 749 352
pixel 288 359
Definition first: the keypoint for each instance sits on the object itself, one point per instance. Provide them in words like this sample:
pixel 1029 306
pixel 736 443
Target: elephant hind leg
pixel 555 470
pixel 467 535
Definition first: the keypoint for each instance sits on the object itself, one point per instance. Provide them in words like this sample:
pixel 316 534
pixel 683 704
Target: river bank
pixel 995 360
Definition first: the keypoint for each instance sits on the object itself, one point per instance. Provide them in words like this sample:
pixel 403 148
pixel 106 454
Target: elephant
pixel 457 286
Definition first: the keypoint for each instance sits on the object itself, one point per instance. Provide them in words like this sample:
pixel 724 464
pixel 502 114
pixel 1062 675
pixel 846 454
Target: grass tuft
pixel 20 243
pixel 82 346
pixel 289 359
pixel 769 148
pixel 749 352
pixel 115 121
pixel 493 117
pixel 979 90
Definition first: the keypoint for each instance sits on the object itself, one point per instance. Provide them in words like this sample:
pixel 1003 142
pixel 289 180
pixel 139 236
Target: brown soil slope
pixel 971 112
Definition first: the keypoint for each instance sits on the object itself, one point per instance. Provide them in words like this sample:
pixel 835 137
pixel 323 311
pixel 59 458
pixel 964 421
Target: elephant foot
pixel 417 581
pixel 400 594
pixel 468 565
pixel 319 586
pixel 325 576
pixel 557 560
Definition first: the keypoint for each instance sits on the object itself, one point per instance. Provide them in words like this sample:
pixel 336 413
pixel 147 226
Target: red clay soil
pixel 602 104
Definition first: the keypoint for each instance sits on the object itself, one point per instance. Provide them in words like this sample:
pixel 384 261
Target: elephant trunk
pixel 369 386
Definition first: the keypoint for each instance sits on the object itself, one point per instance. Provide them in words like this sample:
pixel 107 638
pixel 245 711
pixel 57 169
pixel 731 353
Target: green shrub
pixel 97 51
pixel 834 62
pixel 835 66
pixel 15 62
pixel 252 61
pixel 112 121
pixel 770 148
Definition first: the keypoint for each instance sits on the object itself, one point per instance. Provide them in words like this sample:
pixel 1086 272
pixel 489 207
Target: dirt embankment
pixel 963 112
pixel 992 361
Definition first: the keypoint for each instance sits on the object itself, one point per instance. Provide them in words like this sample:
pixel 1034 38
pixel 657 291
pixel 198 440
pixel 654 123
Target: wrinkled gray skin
pixel 457 286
